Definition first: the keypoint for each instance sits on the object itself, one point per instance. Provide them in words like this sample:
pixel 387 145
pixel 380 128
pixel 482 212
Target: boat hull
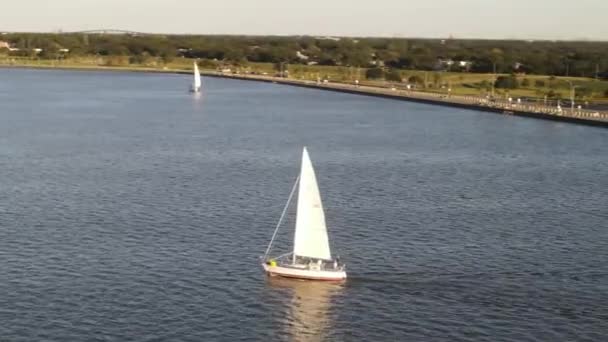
pixel 303 273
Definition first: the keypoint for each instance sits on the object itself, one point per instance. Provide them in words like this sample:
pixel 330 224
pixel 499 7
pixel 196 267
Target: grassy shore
pixel 588 115
pixel 457 83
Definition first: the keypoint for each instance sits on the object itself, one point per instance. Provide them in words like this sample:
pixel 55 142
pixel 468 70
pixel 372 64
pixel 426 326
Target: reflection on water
pixel 198 99
pixel 308 311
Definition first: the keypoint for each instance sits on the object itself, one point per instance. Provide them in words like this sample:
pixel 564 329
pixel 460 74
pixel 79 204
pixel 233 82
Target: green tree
pixel 281 68
pixel 388 57
pixel 496 58
pixel 436 79
pixel 234 55
pixel 358 57
pixel 538 57
pixel 168 55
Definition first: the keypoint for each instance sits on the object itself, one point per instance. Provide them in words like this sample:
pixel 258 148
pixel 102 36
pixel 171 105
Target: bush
pixel 116 61
pixel 506 82
pixel 394 76
pixel 553 95
pixel 207 64
pixel 415 79
pixel 525 82
pixel 436 79
pixel 143 58
pixel 374 73
pixel 583 92
pixel 539 84
pixel 606 93
pixel 167 57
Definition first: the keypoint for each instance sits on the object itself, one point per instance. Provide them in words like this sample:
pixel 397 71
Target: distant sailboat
pixel 311 256
pixel 196 83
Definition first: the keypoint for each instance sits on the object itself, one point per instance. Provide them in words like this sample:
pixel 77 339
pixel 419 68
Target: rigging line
pixel 293 190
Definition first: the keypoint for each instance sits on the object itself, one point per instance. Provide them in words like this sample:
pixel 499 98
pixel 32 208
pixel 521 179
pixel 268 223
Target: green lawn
pixel 460 83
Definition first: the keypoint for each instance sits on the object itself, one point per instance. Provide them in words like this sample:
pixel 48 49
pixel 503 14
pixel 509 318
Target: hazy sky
pixel 534 19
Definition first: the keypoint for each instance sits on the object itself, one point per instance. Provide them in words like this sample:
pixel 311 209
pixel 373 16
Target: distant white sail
pixel 310 238
pixel 196 84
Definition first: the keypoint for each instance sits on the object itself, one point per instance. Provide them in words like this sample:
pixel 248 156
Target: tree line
pixel 559 58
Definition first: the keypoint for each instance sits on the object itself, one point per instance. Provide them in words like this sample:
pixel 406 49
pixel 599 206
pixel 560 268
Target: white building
pixel 302 56
pixel 336 39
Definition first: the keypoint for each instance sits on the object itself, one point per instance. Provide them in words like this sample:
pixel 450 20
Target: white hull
pixel 311 257
pixel 305 273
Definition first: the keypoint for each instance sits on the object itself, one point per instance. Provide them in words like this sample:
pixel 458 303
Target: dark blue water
pixel 132 211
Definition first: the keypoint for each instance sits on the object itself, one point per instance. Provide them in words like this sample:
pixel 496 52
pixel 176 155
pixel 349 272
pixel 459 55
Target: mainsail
pixel 310 238
pixel 196 85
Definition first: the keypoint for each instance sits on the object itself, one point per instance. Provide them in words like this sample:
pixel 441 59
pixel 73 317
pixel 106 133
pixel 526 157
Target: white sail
pixel 310 238
pixel 196 85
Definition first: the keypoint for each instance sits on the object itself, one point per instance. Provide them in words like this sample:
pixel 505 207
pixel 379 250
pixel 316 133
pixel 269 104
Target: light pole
pixel 572 94
pixel 493 77
pixel 449 88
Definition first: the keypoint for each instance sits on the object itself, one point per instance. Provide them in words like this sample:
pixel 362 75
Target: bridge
pixel 110 31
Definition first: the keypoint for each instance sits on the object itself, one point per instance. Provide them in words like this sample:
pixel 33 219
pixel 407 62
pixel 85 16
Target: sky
pixel 503 19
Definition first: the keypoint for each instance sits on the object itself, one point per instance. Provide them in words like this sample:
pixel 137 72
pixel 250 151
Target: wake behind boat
pixel 196 82
pixel 311 257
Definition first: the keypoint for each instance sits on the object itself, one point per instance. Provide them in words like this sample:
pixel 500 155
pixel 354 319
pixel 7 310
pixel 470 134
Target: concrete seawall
pixel 599 119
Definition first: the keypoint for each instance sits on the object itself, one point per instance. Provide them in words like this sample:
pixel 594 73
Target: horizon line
pixel 395 36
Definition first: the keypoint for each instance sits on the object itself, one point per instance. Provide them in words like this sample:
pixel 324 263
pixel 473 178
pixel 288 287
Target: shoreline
pixel 584 117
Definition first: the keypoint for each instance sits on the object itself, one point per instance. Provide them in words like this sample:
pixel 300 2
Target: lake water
pixel 131 210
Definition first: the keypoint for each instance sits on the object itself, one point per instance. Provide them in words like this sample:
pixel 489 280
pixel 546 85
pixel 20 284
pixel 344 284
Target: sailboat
pixel 196 82
pixel 311 256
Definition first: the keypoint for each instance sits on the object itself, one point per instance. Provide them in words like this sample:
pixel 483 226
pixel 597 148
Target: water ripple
pixel 137 213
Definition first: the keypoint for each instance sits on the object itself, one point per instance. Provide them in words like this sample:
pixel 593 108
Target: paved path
pixel 505 106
